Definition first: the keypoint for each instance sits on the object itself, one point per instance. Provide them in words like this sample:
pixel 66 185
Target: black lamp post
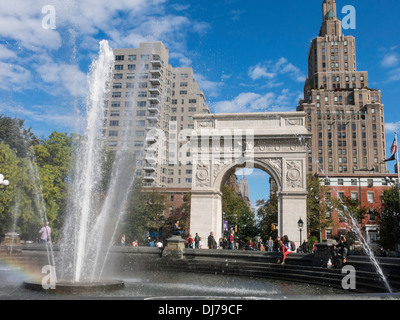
pixel 300 223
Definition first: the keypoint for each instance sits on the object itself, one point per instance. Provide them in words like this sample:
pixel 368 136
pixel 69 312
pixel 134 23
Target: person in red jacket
pixel 284 252
pixel 189 241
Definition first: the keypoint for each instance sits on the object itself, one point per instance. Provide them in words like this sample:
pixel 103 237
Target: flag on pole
pixel 393 150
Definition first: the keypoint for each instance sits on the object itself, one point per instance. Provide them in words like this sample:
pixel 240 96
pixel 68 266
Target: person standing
pixel 212 244
pixel 305 247
pixel 225 243
pixel 197 241
pixel 232 241
pixel 189 241
pixel 45 232
pixel 201 243
pixel 270 244
pixel 123 240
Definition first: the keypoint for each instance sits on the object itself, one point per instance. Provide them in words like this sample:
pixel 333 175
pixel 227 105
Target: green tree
pixel 9 168
pixel 145 212
pixel 239 215
pixel 13 133
pixel 182 214
pixel 267 213
pixel 18 211
pixel 53 159
pixel 319 203
pixel 389 219
pixel 353 215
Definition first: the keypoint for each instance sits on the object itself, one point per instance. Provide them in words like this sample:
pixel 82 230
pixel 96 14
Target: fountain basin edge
pixel 67 287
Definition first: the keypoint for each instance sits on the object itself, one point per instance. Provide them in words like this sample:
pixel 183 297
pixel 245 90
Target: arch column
pixel 292 207
pixel 206 214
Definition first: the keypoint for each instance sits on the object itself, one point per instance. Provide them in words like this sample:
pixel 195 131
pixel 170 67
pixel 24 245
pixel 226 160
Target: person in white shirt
pixel 160 247
pixel 45 232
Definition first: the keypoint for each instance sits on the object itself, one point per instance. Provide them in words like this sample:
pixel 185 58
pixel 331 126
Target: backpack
pixel 292 246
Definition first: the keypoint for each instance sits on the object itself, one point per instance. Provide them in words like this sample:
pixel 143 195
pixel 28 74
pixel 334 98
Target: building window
pixel 371 215
pixel 371 198
pixel 328 233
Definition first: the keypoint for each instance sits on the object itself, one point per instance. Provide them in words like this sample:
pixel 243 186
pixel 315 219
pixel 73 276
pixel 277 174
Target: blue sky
pixel 246 55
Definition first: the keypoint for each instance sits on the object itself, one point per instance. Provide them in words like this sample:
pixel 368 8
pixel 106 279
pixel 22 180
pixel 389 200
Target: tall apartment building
pixel 149 104
pixel 345 116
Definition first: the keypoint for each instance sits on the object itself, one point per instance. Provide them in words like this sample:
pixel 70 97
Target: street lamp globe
pixel 300 223
pixel 3 182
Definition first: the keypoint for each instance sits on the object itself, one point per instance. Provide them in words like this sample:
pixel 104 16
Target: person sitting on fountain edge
pixel 342 247
pixel 177 230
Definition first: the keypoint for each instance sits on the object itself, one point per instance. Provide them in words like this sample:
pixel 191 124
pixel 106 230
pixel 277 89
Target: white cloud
pixel 255 102
pixel 283 66
pixel 180 7
pixel 6 54
pixel 22 21
pixel 245 102
pixel 258 72
pixel 236 14
pixel 390 60
pixel 270 70
pixel 49 115
pixel 210 88
pixel 391 127
pixel 394 75
pixel 47 61
pixel 13 77
pixel 183 60
pixel 125 23
pixel 62 76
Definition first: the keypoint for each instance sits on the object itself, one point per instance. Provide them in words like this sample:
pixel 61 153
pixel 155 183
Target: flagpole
pixel 398 173
pixel 398 169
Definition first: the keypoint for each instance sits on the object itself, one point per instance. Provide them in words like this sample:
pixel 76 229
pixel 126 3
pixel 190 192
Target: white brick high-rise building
pixel 150 105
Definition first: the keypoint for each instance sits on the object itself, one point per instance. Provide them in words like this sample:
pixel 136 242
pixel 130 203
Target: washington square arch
pixel 273 142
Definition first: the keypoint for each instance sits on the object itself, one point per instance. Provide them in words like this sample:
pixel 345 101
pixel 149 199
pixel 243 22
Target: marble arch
pixel 273 142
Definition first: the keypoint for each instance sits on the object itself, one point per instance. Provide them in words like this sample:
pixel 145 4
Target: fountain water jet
pixel 352 223
pixel 92 215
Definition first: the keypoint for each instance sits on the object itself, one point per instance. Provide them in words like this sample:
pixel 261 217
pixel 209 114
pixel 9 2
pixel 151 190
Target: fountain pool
pixel 171 285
